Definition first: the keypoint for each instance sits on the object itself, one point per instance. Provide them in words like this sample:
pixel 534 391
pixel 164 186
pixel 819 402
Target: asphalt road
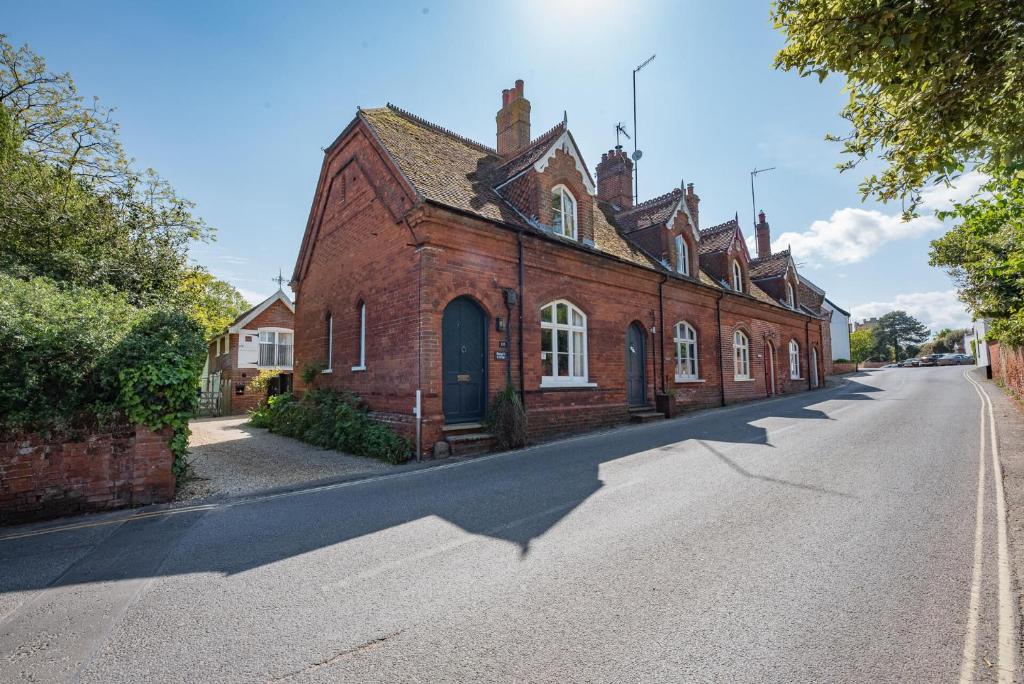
pixel 830 536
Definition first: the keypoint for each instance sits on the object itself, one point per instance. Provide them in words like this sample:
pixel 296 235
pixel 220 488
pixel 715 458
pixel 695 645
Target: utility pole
pixel 637 153
pixel 753 202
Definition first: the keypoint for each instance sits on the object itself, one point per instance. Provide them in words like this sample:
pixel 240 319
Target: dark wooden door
pixel 463 356
pixel 636 368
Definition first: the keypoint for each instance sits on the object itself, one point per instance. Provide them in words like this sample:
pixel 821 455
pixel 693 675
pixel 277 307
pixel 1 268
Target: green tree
pixel 862 345
pixel 897 330
pixel 210 302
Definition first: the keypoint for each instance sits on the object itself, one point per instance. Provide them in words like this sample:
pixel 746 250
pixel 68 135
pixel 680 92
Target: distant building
pixel 840 330
pixel 869 323
pixel 975 344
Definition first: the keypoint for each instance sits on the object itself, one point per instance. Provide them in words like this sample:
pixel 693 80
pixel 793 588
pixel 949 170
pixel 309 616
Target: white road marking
pixel 1007 652
pixel 968 664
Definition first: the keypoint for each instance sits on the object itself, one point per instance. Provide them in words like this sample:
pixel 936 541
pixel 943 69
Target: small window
pixel 790 299
pixel 329 345
pixel 794 360
pixel 275 348
pixel 361 309
pixel 686 352
pixel 737 276
pixel 563 353
pixel 563 211
pixel 741 354
pixel 682 256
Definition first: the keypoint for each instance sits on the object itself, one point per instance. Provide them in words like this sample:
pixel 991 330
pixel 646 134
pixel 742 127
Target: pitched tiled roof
pixel 771 266
pixel 652 212
pixel 717 238
pixel 810 297
pixel 608 239
pixel 529 156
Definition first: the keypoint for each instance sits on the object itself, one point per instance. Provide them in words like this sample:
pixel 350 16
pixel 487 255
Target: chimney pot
pixel 513 121
pixel 763 236
pixel 615 178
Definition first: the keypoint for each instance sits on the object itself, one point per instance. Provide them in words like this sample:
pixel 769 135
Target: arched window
pixel 563 211
pixel 741 353
pixel 361 310
pixel 794 360
pixel 563 344
pixel 790 298
pixel 737 276
pixel 682 256
pixel 329 347
pixel 686 352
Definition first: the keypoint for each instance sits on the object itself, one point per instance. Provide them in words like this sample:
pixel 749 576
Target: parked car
pixel 930 360
pixel 891 365
pixel 910 363
pixel 955 360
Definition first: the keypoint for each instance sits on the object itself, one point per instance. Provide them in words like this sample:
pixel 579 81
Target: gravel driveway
pixel 228 457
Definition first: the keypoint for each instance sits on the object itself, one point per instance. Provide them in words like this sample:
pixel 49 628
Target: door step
pixel 469 443
pixel 645 414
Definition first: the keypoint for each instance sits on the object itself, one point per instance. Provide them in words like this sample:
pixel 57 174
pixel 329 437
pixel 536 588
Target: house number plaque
pixel 463 377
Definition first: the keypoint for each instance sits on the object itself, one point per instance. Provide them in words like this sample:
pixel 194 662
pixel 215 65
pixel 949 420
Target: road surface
pixel 830 536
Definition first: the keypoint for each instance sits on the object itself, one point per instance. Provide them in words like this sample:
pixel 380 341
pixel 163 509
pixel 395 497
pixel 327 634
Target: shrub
pixel 310 372
pixel 261 382
pixel 507 419
pixel 841 361
pixel 80 359
pixel 332 420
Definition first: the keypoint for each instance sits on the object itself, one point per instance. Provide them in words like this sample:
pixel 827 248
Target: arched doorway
pixel 769 367
pixel 464 361
pixel 636 367
pixel 814 367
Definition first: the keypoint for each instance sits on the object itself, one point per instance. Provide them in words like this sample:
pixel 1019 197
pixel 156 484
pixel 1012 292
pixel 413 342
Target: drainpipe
pixel 721 366
pixel 661 331
pixel 522 371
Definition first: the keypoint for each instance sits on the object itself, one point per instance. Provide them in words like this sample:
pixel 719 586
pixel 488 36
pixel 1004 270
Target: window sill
pixel 556 386
pixel 358 369
pixel 682 379
pixel 796 377
pixel 327 370
pixel 743 379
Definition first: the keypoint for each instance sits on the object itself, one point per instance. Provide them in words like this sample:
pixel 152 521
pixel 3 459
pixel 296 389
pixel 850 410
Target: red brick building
pixel 262 338
pixel 432 262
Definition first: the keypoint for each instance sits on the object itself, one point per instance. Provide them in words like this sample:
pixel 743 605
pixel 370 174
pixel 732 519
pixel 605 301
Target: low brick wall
pixel 1008 366
pixel 42 478
pixel 841 368
pixel 873 364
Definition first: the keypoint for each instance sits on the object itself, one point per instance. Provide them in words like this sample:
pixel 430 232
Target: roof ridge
pixel 440 129
pixel 647 203
pixel 721 226
pixel 532 145
pixel 781 252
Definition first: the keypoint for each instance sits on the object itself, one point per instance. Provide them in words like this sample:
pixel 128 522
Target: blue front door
pixel 464 356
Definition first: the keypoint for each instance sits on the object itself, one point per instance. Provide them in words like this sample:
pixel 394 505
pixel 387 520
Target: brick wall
pixel 1008 366
pixel 42 478
pixel 841 368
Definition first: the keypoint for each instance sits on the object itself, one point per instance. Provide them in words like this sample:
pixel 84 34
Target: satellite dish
pixel 636 155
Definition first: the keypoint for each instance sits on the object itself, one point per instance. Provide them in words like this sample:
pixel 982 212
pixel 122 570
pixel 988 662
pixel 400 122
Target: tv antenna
pixel 620 129
pixel 753 202
pixel 637 153
pixel 279 280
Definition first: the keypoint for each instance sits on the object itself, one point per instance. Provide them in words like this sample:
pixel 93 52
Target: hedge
pixel 79 359
pixel 332 420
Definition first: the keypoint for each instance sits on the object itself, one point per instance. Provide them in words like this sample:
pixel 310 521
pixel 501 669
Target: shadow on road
pixel 516 498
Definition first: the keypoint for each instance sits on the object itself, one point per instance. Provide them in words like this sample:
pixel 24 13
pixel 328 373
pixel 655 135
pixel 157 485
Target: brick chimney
pixel 764 236
pixel 615 178
pixel 513 121
pixel 693 204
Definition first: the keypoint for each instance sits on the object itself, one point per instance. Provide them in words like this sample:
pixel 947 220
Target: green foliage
pixel 331 420
pixel 506 419
pixel 862 345
pixel 310 372
pixel 213 303
pixel 934 86
pixel 80 358
pixel 261 382
pixel 985 255
pixel 896 332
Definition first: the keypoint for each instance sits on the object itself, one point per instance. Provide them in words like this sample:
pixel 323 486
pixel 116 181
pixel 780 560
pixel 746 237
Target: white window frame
pixel 361 366
pixel 559 226
pixel 740 355
pixel 682 255
pixel 685 335
pixel 794 360
pixel 570 328
pixel 276 333
pixel 330 344
pixel 737 275
pixel 790 296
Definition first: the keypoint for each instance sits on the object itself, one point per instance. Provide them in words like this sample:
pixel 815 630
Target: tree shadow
pixel 515 498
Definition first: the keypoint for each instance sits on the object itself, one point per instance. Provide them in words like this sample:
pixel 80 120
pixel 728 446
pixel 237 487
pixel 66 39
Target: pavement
pixel 838 535
pixel 230 458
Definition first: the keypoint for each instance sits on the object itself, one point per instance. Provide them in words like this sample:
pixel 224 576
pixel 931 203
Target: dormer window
pixel 737 276
pixel 682 256
pixel 790 298
pixel 563 210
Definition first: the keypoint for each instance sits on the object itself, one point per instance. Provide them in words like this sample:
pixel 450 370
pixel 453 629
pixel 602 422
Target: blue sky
pixel 232 103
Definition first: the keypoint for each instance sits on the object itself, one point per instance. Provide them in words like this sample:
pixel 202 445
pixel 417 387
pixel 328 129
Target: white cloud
pixel 937 310
pixel 852 235
pixel 940 197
